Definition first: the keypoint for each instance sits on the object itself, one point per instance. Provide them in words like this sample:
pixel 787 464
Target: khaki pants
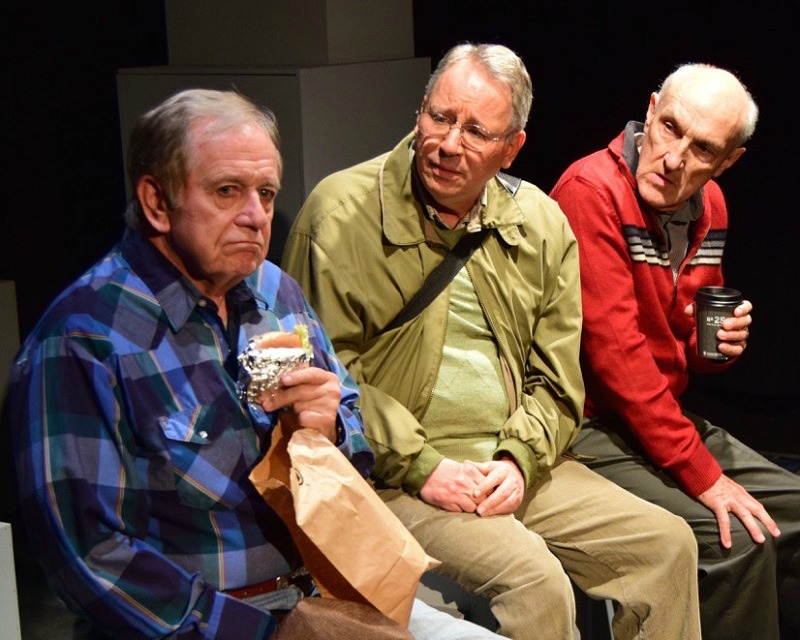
pixel 572 524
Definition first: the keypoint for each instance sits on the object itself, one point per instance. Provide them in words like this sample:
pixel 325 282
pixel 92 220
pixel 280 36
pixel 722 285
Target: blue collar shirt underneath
pixel 133 448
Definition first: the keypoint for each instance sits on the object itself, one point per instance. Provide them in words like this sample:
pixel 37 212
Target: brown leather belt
pixel 299 577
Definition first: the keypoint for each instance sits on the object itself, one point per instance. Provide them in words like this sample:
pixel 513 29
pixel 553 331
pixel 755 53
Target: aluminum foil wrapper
pixel 262 369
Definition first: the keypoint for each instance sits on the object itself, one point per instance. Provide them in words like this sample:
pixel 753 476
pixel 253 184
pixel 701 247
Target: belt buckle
pixel 300 578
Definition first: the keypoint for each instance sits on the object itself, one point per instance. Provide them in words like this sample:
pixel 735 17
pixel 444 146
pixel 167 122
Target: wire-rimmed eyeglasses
pixel 473 136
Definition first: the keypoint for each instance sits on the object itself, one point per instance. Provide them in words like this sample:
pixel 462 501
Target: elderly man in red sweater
pixel 651 223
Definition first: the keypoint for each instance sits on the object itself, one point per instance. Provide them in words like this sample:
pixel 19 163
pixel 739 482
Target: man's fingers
pixel 752 527
pixel 724 524
pixel 501 501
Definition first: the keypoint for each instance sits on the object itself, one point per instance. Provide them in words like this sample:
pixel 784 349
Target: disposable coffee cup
pixel 711 306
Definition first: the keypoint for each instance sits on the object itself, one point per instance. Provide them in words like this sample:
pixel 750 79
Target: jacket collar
pixel 402 214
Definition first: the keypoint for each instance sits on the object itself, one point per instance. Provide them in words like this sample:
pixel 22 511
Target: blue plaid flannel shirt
pixel 133 447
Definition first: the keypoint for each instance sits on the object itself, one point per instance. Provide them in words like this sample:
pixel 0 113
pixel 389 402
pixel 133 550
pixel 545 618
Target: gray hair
pixel 161 143
pixel 502 64
pixel 682 72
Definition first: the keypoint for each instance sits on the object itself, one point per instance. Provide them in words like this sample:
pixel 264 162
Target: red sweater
pixel 637 343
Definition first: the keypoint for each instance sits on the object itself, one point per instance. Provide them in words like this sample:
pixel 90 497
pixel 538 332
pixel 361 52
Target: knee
pixel 743 548
pixel 740 535
pixel 534 598
pixel 677 541
pixel 543 574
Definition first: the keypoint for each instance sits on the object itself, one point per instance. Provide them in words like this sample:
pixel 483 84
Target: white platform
pixel 9 603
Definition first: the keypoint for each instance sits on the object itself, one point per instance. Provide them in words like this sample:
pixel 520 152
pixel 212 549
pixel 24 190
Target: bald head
pixel 694 131
pixel 710 88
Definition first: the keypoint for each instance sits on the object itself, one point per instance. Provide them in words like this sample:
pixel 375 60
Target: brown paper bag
pixel 349 540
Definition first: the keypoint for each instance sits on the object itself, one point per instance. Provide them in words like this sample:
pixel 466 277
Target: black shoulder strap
pixel 438 279
pixel 450 265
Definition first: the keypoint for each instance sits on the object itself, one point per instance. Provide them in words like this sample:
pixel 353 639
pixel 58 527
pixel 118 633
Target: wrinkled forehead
pixel 206 132
pixel 467 87
pixel 709 100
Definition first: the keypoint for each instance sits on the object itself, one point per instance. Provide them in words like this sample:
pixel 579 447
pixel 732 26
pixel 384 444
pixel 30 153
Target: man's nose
pixel 452 142
pixel 675 157
pixel 253 212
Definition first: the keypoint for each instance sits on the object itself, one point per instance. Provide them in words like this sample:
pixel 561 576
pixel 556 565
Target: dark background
pixel 593 66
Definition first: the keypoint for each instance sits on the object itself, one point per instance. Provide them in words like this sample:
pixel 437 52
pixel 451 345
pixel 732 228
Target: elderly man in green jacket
pixel 471 406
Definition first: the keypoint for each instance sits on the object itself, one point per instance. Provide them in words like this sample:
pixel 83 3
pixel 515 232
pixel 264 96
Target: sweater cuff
pixel 524 457
pixel 419 470
pixel 698 473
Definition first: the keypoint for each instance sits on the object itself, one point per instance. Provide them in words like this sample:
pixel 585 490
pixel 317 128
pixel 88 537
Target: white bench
pixel 9 602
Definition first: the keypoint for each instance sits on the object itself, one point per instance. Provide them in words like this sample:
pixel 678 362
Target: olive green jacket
pixel 359 251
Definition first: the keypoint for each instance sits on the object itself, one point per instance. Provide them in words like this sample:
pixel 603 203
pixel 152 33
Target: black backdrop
pixel 593 66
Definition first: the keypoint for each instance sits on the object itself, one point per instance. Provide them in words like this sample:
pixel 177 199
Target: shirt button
pixel 202 303
pixel 203 434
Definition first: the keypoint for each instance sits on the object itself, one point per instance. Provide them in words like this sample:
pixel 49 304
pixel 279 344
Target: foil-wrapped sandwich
pixel 267 357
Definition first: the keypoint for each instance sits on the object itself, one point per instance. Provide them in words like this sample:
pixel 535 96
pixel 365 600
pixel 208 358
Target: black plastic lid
pixel 718 295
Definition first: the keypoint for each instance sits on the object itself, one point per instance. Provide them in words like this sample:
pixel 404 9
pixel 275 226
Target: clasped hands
pixel 483 488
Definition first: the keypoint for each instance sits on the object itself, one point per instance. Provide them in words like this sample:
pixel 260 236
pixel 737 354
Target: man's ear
pixel 651 109
pixel 512 148
pixel 729 161
pixel 419 114
pixel 154 203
